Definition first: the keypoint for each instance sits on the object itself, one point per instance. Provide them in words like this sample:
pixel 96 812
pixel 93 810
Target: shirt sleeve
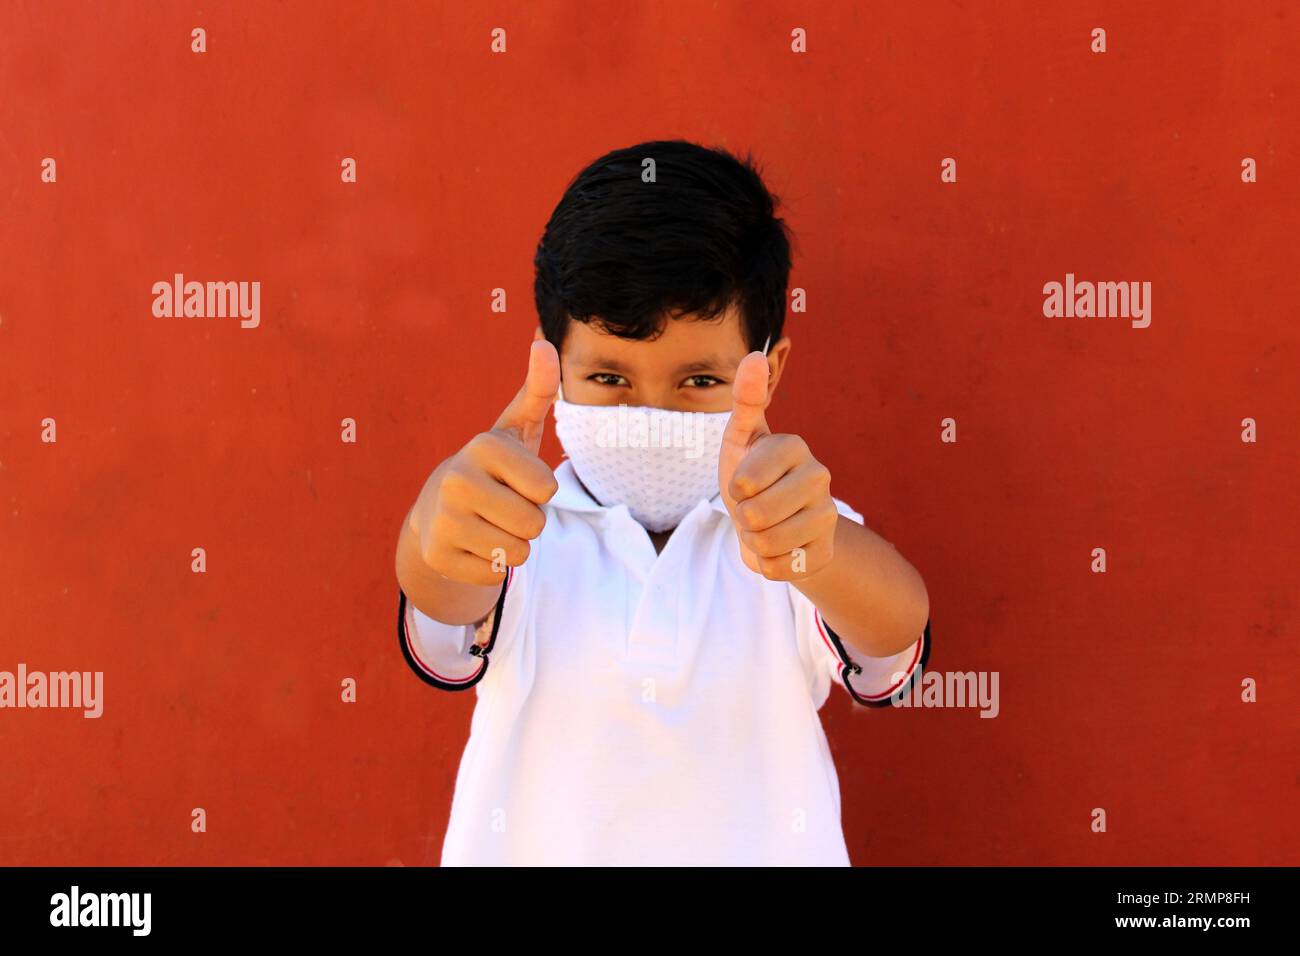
pixel 871 681
pixel 451 656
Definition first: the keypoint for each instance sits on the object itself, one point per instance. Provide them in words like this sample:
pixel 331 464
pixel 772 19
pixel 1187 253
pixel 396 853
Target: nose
pixel 660 396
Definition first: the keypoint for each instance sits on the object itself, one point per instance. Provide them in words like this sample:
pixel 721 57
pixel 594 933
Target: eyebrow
pixel 711 363
pixel 600 361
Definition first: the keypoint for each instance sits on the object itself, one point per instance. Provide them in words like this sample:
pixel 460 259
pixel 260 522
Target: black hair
pixel 628 255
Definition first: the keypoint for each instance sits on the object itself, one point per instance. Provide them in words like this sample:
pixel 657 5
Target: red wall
pixel 1118 690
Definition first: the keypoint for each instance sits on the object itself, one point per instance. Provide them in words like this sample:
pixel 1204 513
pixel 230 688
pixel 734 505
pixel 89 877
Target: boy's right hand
pixel 481 507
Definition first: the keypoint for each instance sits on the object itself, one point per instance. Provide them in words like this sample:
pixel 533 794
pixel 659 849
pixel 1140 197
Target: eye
pixel 702 381
pixel 607 378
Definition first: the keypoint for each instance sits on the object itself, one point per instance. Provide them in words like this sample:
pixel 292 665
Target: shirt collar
pixel 572 496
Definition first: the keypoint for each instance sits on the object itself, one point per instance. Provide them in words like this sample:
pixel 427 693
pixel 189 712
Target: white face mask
pixel 659 463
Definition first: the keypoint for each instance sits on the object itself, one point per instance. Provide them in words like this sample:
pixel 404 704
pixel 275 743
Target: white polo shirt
pixel 636 708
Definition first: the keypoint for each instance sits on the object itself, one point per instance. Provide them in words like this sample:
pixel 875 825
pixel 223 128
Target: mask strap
pixel 766 342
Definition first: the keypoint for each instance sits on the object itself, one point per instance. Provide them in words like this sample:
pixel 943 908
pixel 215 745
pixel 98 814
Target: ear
pixel 776 358
pixel 537 334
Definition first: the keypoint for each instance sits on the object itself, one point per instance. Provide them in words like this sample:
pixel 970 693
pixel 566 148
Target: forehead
pixel 717 342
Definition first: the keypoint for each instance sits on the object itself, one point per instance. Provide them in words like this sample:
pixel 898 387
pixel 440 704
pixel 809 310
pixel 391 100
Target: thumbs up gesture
pixel 481 507
pixel 777 493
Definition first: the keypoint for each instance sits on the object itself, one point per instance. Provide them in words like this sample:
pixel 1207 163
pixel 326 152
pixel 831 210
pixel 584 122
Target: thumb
pixel 526 413
pixel 749 399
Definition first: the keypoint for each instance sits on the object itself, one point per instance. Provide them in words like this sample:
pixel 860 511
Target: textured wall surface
pixel 1119 690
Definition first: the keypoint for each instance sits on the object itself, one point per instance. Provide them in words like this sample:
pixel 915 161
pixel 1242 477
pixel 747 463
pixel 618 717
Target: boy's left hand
pixel 777 493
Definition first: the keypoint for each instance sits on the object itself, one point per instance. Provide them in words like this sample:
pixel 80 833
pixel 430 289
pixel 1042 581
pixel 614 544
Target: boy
pixel 665 612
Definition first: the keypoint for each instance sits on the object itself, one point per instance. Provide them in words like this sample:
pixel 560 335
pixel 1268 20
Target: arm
pixel 868 592
pixel 480 508
pixel 789 529
pixel 452 602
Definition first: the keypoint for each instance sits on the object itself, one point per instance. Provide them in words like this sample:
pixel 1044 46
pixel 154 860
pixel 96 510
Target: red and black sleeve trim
pixel 847 667
pixel 423 669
